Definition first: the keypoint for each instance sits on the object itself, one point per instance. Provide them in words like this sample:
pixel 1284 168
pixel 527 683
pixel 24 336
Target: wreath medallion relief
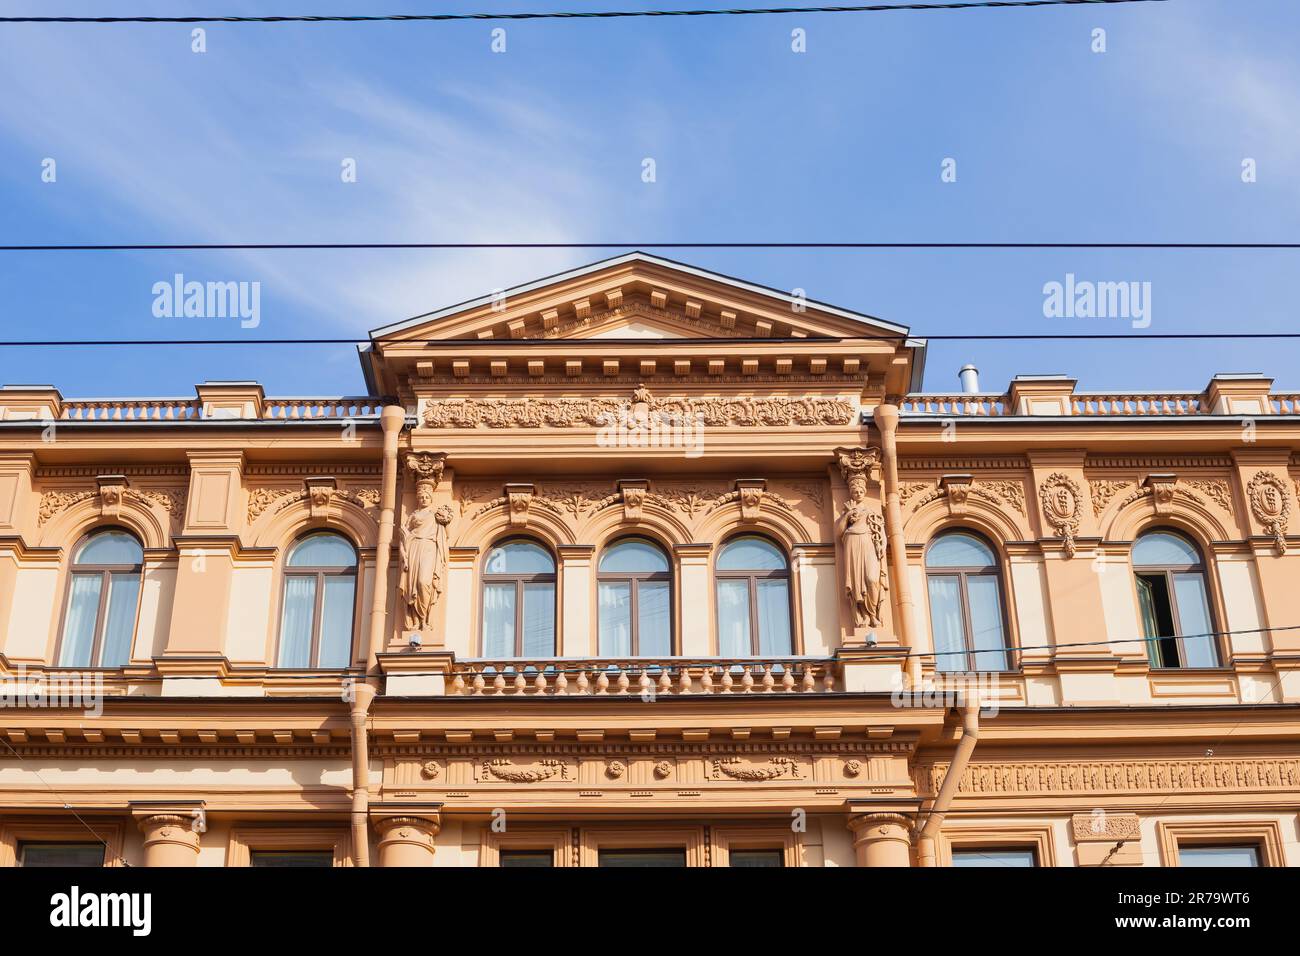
pixel 1270 503
pixel 1062 502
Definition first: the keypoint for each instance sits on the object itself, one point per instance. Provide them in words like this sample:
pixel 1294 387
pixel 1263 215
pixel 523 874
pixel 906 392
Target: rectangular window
pixel 296 620
pixel 774 857
pixel 994 856
pixel 643 857
pixel 291 858
pixel 499 620
pixel 61 854
pixel 79 624
pixel 527 858
pixel 1221 855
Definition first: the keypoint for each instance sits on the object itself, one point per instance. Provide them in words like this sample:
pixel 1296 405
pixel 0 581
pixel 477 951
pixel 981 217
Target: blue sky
pixel 545 142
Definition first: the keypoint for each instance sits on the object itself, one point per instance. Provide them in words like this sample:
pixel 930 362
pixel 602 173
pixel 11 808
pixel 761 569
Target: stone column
pixel 170 839
pixel 882 839
pixel 407 840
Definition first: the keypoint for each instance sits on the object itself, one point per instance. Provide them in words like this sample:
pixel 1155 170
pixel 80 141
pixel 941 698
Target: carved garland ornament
pixel 504 769
pixel 578 412
pixel 1270 503
pixel 52 502
pixel 1062 501
pixel 734 768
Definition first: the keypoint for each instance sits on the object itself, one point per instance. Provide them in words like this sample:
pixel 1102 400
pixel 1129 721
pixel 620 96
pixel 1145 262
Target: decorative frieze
pixel 593 412
pixel 1118 776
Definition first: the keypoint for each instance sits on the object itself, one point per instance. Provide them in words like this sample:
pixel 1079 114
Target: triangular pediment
pixel 636 296
pixel 624 307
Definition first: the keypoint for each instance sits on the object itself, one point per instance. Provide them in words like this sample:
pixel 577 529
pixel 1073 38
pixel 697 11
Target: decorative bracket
pixel 112 491
pixel 1162 491
pixel 634 492
pixel 427 467
pixel 519 498
pixel 320 492
pixel 750 492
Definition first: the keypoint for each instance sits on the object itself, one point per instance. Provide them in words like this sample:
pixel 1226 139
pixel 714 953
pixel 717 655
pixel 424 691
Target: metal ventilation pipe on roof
pixel 970 379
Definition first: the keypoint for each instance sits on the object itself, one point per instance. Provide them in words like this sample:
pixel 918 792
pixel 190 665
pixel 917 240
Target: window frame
pixel 1041 840
pixel 558 840
pixel 994 570
pixel 246 839
pixel 14 833
pixel 318 574
pixel 519 581
pixel 634 579
pixel 106 572
pixel 1167 571
pixel 1264 835
pixel 753 577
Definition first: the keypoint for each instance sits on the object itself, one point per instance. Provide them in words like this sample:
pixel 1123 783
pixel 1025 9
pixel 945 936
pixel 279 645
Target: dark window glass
pixel 994 856
pixel 752 581
pixel 103 596
pixel 519 601
pixel 1173 601
pixel 656 857
pixel 1218 855
pixel 320 584
pixel 292 858
pixel 61 854
pixel 527 858
pixel 965 590
pixel 634 596
pixel 757 858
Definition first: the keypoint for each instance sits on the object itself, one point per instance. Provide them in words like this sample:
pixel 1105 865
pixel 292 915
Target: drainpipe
pixel 970 734
pixel 886 416
pixel 392 419
pixel 365 694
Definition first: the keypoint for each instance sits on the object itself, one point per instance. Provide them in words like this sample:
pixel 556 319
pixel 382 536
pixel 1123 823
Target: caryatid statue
pixel 861 530
pixel 423 544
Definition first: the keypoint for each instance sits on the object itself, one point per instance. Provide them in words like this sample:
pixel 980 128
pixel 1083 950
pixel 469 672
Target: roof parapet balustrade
pixel 213 401
pixel 1031 396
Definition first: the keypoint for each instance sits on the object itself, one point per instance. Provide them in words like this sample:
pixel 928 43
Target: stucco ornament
pixel 861 530
pixel 1062 501
pixel 424 558
pixel 1270 503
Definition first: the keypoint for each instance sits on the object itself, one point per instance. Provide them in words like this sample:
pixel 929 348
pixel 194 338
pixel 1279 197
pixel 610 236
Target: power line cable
pixel 577 15
pixel 820 340
pixel 320 246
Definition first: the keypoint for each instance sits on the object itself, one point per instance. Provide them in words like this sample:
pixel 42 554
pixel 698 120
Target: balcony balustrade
pixel 675 676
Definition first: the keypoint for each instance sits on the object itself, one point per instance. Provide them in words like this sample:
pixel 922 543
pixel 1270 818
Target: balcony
pixel 669 676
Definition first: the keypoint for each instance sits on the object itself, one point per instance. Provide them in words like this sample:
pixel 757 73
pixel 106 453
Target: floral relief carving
pixel 576 499
pixel 580 412
pixel 616 769
pixel 430 769
pixel 52 502
pixel 1121 776
pixel 689 499
pixel 261 499
pixel 663 769
pixel 908 489
pixel 852 768
pixel 1010 492
pixel 1216 489
pixel 171 500
pixel 738 769
pixel 1270 503
pixel 1102 491
pixel 1062 501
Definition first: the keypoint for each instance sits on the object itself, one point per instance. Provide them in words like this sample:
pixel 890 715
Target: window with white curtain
pixel 103 601
pixel 634 596
pixel 519 600
pixel 1173 601
pixel 753 594
pixel 320 589
pixel 964 585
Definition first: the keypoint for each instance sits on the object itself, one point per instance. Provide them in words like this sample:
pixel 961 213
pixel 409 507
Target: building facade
pixel 643 565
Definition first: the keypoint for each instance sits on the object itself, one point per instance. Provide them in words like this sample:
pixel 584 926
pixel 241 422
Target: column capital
pixel 406 832
pixel 882 838
pixel 171 831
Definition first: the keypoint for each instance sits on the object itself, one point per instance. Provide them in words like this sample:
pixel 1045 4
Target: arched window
pixel 753 581
pixel 965 589
pixel 634 586
pixel 519 600
pixel 1173 599
pixel 320 590
pixel 103 601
